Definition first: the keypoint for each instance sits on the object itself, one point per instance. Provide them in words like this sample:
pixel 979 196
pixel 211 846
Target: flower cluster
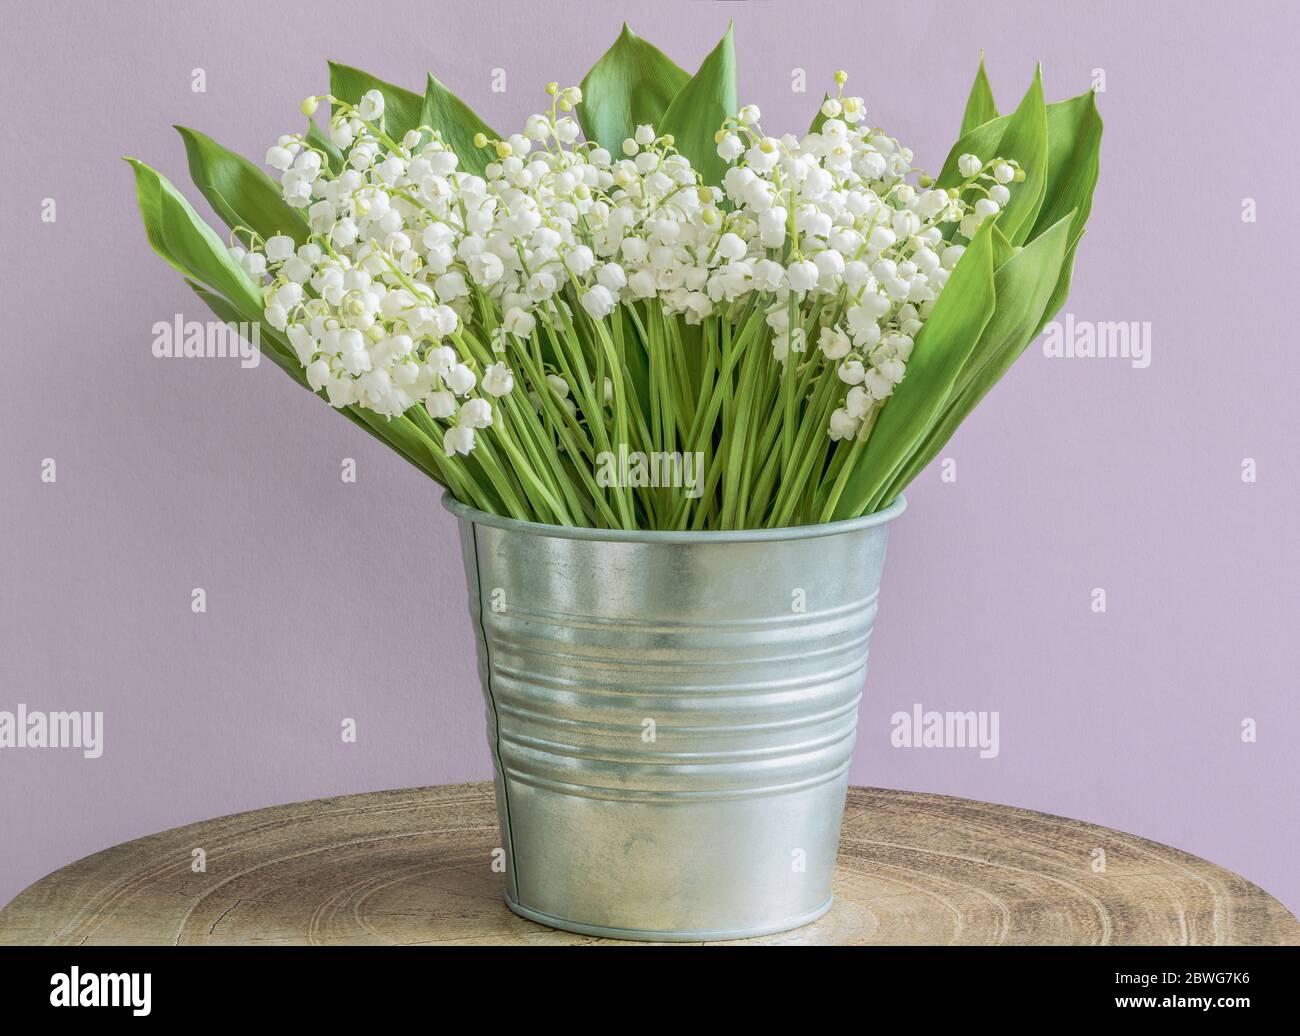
pixel 418 273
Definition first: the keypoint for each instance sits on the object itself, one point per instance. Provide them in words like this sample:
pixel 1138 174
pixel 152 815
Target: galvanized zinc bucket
pixel 671 717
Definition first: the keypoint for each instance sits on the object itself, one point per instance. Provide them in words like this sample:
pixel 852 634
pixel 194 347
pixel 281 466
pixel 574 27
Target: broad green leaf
pixel 402 435
pixel 1003 249
pixel 979 106
pixel 1073 145
pixel 1073 162
pixel 631 85
pixel 397 433
pixel 317 138
pixel 696 113
pixel 635 359
pixel 983 141
pixel 180 236
pixel 240 193
pixel 149 197
pixel 198 248
pixel 819 120
pixel 401 107
pixel 1025 141
pixel 1062 289
pixel 455 120
pixel 1023 286
pixel 271 343
pixel 949 335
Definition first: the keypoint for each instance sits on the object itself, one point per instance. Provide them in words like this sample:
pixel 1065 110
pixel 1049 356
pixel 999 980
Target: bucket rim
pixel 465 513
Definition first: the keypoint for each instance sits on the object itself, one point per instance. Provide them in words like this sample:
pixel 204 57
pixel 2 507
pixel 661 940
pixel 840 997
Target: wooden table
pixel 415 867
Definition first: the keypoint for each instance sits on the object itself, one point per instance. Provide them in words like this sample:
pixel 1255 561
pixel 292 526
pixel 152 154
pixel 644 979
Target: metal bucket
pixel 671 717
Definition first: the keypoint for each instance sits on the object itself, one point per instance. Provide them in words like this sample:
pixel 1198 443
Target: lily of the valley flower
pixel 411 259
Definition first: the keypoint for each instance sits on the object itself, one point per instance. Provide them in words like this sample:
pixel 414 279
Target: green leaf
pixel 635 359
pixel 1023 286
pixel 983 141
pixel 401 107
pixel 149 197
pixel 1003 249
pixel 979 106
pixel 317 138
pixel 270 342
pixel 949 335
pixel 398 433
pixel 1073 163
pixel 697 112
pixel 179 235
pixel 631 85
pixel 819 120
pixel 1025 141
pixel 1062 289
pixel 1073 148
pixel 455 120
pixel 403 436
pixel 240 193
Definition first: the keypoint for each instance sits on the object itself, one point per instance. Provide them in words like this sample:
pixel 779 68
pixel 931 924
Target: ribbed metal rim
pixel 564 532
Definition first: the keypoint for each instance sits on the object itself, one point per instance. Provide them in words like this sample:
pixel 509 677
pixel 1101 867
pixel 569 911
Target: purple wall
pixel 328 600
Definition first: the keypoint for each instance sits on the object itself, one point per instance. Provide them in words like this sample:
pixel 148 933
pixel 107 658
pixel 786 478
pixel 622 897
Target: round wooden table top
pixel 416 867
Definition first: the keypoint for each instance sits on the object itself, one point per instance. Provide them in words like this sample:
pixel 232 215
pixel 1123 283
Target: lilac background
pixel 328 600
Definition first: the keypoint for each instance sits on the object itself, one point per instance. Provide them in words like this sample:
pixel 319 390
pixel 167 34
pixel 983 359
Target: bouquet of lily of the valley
pixel 644 310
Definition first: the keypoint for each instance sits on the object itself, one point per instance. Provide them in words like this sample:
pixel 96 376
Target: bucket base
pixel 719 935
